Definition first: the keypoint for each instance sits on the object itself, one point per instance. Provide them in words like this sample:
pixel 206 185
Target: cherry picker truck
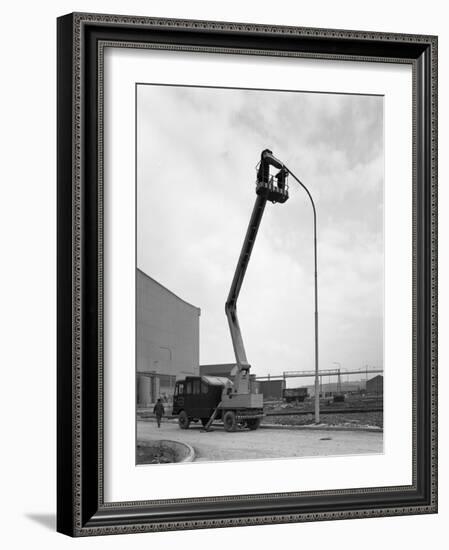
pixel 209 398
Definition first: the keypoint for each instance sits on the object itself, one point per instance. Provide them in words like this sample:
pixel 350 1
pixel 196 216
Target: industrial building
pixel 375 385
pixel 331 388
pixel 167 340
pixel 272 389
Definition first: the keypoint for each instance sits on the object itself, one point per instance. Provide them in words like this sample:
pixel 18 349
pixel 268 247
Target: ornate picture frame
pixel 81 507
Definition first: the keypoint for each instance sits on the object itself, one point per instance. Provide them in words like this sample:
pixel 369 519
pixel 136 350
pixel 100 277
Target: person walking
pixel 159 411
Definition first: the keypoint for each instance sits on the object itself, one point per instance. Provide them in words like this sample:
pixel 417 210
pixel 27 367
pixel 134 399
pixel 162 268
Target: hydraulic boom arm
pixel 236 285
pixel 274 189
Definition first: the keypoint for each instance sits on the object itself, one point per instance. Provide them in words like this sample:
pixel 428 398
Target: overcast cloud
pixel 197 151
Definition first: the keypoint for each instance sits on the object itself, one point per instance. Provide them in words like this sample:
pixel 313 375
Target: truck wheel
pixel 230 421
pixel 183 420
pixel 253 424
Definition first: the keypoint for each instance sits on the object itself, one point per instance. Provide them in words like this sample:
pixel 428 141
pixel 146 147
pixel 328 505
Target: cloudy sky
pixel 196 158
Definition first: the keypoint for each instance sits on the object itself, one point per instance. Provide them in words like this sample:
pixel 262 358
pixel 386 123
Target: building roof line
pixel 169 291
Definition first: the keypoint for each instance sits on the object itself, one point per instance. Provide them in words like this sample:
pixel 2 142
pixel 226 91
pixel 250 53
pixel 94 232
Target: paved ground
pixel 263 443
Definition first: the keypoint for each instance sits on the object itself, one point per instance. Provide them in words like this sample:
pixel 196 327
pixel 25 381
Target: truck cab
pixel 209 398
pixel 197 397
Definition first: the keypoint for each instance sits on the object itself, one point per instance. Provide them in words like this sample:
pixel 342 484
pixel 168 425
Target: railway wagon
pixel 295 394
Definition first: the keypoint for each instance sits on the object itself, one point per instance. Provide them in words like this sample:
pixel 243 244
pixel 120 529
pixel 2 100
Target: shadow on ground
pixel 46 520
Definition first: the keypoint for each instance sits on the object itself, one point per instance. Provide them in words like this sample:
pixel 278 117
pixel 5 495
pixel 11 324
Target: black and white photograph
pixel 259 274
pixel 220 275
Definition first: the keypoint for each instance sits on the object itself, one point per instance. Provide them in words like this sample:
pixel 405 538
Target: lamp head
pixel 268 157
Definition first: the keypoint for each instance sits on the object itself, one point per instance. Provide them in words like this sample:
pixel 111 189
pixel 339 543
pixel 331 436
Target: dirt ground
pixel 360 419
pixel 343 418
pixel 219 445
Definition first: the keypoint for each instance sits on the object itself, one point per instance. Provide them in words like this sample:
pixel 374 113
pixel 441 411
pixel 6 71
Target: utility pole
pixel 338 376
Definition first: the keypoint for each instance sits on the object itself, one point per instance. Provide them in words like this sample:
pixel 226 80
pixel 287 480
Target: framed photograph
pixel 247 276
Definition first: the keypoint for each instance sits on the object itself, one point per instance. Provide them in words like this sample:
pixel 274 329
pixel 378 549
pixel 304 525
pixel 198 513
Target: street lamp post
pixel 267 154
pixel 317 382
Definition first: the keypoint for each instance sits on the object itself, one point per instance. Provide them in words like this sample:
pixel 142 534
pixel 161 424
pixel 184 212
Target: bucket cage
pixel 273 187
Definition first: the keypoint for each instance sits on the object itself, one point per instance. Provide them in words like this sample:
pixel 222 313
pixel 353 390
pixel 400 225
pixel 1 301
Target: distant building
pixel 331 388
pixel 271 389
pixel 375 385
pixel 167 340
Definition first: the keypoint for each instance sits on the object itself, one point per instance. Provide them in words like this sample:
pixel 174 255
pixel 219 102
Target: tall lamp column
pixel 317 383
pixel 268 155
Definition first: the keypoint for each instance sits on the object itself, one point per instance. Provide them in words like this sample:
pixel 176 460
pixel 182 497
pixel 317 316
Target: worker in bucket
pixel 159 411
